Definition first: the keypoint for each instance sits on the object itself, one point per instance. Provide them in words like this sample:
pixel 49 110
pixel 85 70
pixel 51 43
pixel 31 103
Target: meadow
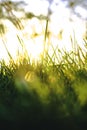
pixel 47 94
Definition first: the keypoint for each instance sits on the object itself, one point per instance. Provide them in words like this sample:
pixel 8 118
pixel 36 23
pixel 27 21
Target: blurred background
pixel 32 23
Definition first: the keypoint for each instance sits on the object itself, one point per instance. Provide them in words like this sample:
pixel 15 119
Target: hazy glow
pixel 37 7
pixel 34 47
pixel 81 11
pixel 3 42
pixel 33 38
pixel 69 29
pixel 61 29
pixel 3 53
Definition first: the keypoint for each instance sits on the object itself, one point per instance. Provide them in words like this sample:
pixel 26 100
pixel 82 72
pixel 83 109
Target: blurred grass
pixel 49 94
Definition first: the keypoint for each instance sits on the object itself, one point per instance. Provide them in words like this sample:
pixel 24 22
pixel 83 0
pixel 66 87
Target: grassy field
pixel 45 95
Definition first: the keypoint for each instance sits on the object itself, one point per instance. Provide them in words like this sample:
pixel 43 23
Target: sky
pixel 41 6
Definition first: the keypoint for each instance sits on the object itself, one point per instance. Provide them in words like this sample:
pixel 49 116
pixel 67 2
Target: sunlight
pixel 37 7
pixel 10 40
pixel 3 52
pixel 60 35
pixel 33 37
pixel 63 29
pixel 60 27
pixel 34 47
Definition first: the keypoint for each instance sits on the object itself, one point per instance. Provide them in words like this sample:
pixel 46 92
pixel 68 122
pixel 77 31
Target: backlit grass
pixel 46 95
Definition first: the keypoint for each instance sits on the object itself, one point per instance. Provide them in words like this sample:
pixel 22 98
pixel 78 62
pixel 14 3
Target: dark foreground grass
pixel 47 95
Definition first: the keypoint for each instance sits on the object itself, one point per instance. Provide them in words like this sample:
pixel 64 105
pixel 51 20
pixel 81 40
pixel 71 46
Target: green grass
pixel 46 95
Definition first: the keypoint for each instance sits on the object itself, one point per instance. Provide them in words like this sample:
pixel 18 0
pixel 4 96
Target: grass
pixel 46 95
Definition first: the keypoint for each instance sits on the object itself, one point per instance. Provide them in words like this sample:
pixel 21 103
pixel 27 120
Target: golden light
pixel 9 42
pixel 60 27
pixel 63 29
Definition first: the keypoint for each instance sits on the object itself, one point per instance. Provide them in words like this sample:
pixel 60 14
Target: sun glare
pixel 60 27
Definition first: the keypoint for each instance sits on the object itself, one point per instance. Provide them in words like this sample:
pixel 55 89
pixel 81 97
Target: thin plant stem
pixel 45 37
